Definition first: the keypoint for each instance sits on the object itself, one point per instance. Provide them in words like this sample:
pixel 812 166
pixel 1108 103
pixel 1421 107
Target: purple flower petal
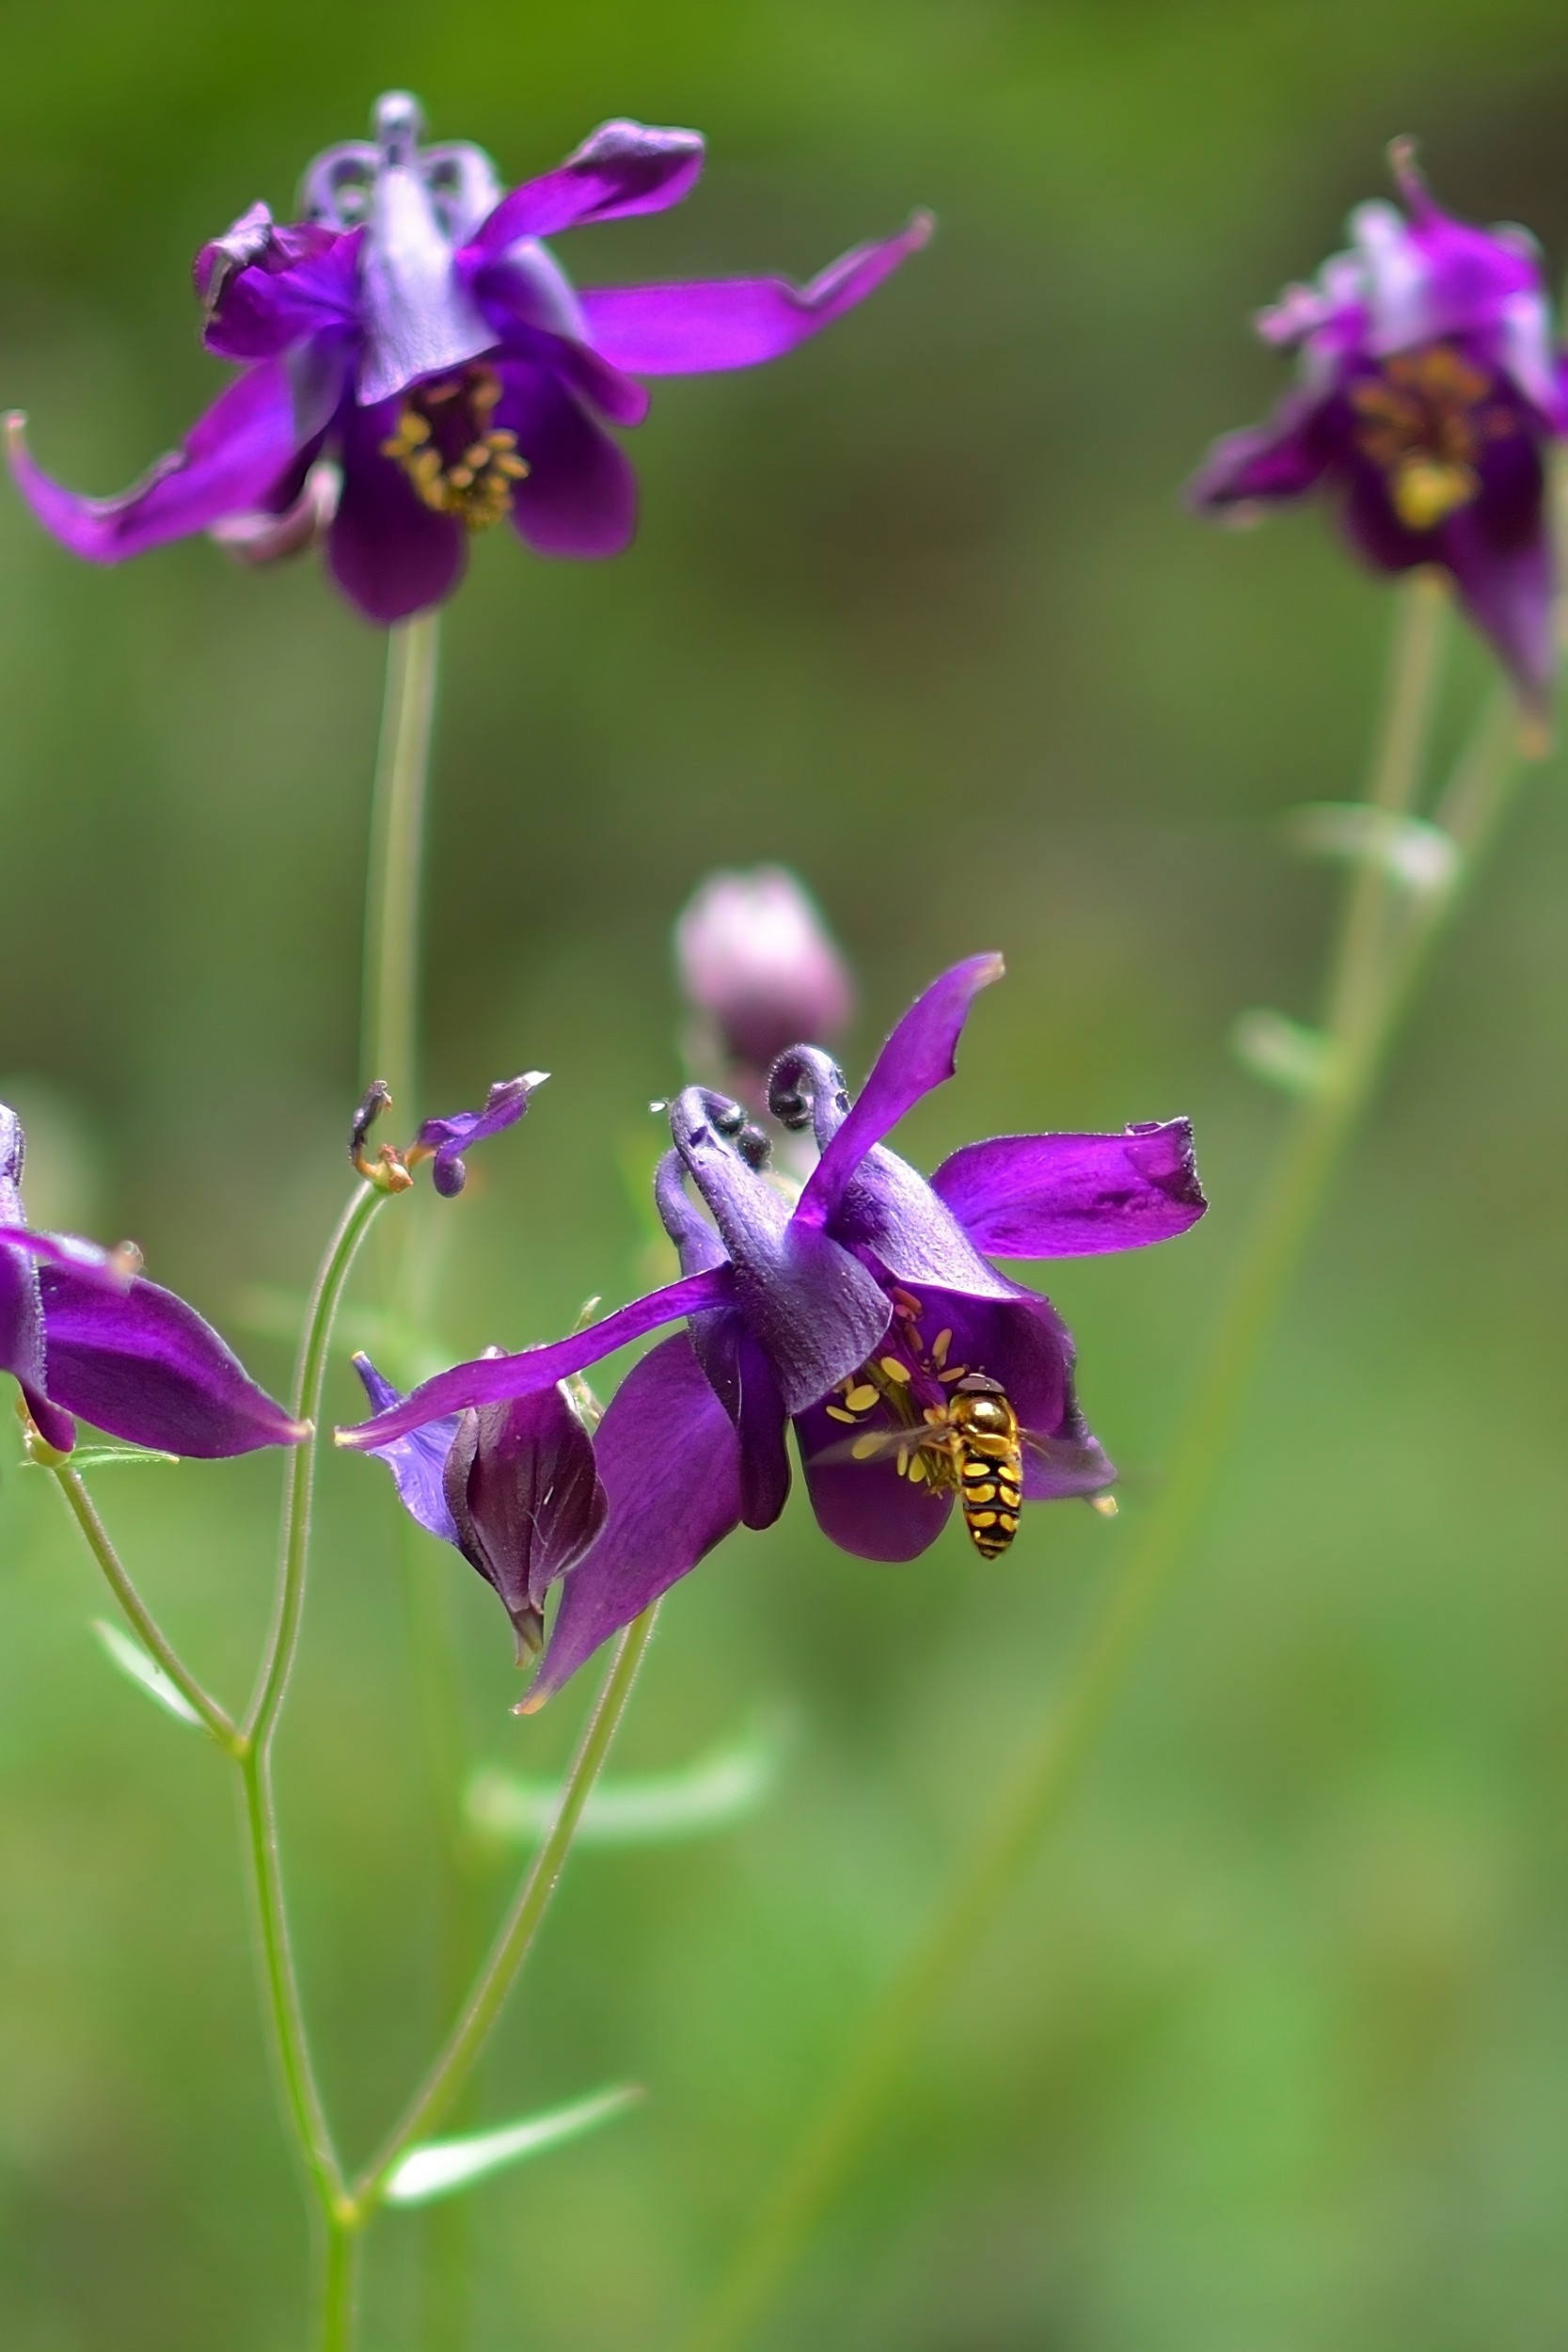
pixel 489 1379
pixel 448 1138
pixel 620 169
pixel 143 1365
pixel 67 1249
pixel 1432 274
pixel 736 322
pixel 389 552
pixel 1074 1195
pixel 738 1372
pixel 21 1316
pixel 866 1507
pixel 1024 1343
pixel 13 1153
pixel 266 287
pixel 417 1461
pixel 917 1057
pixel 817 1311
pixel 888 1208
pixel 1496 549
pixel 1282 460
pixel 669 1462
pixel 231 460
pixel 418 316
pixel 579 495
pixel 525 1497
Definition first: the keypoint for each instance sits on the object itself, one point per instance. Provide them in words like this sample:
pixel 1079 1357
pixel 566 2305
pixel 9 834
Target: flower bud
pixel 757 965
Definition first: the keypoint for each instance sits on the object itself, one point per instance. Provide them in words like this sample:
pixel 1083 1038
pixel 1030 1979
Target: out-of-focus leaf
pixel 438 2168
pixel 137 1667
pixel 712 1792
pixel 1284 1054
pixel 1420 857
pixel 405 1353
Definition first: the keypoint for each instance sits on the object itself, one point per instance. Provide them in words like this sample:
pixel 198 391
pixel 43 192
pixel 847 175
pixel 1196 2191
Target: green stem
pixel 284 2008
pixel 397 853
pixel 451 2066
pixel 85 1513
pixel 340 2282
pixel 1420 617
pixel 299 1478
pixel 1366 1014
pixel 280 1982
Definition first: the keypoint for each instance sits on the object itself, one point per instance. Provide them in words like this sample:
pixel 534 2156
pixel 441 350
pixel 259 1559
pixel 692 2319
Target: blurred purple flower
pixel 1428 394
pixel 83 1333
pixel 418 366
pixel 858 1308
pixel 757 964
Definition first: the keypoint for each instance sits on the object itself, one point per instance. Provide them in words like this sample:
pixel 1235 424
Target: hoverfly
pixel 969 1445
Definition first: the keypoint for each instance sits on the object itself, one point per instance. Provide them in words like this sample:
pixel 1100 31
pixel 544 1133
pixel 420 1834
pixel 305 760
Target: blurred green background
pixel 1271 2052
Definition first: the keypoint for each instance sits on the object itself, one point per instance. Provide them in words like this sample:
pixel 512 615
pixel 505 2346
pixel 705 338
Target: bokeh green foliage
pixel 1269 2052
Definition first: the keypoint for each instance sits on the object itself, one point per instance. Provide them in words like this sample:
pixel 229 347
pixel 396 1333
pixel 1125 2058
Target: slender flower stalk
pixel 1380 954
pixel 80 1504
pixel 452 2067
pixel 394 912
pixel 284 2008
pixel 340 2286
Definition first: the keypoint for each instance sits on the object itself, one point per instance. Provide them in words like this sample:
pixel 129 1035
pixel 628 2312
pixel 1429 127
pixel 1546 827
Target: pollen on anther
pixel 940 1347
pixel 836 1412
pixel 895 1370
pixel 861 1398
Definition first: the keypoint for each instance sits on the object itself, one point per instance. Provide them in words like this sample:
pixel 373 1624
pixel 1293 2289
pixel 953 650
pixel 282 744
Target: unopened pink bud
pixel 756 959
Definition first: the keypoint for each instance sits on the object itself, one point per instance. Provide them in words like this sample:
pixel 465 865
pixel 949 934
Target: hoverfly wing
pixel 1063 1455
pixel 877 1445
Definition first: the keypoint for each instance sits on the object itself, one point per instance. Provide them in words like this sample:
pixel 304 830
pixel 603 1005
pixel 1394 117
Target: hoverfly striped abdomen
pixel 990 1459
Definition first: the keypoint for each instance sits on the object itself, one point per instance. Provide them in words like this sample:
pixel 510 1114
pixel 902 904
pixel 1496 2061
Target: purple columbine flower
pixel 759 969
pixel 82 1332
pixel 858 1314
pixel 1428 392
pixel 419 367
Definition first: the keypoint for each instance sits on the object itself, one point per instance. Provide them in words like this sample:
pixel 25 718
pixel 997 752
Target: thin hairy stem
pixel 397 856
pixel 451 2066
pixel 83 1512
pixel 1366 1014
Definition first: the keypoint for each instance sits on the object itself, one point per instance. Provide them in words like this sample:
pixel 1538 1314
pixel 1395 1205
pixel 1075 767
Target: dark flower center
pixel 458 463
pixel 1425 418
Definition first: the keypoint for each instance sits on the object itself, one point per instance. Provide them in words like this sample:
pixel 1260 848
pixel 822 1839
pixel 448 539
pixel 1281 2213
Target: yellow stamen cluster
pixel 475 486
pixel 925 1453
pixel 1424 424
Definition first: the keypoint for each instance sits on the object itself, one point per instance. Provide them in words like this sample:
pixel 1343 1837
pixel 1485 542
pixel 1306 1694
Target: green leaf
pixel 1284 1054
pixel 712 1792
pixel 1419 856
pixel 438 2168
pixel 137 1667
pixel 94 1457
